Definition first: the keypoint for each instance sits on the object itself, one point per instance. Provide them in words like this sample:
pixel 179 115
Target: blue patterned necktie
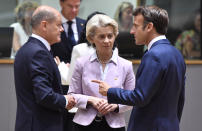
pixel 71 33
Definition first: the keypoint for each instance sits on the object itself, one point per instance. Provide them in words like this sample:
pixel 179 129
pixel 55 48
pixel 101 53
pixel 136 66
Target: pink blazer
pixel 120 75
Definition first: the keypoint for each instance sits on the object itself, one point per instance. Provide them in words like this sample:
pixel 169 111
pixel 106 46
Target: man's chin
pixel 139 43
pixel 58 40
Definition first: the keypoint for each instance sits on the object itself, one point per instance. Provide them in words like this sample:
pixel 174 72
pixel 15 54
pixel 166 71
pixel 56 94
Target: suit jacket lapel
pixel 79 25
pixel 57 73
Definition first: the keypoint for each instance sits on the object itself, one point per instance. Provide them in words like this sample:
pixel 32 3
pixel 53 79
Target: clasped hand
pixel 102 105
pixel 71 101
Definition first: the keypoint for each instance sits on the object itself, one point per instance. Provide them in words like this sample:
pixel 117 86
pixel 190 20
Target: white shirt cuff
pixel 66 102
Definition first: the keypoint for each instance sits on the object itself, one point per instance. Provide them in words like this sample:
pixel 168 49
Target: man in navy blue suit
pixel 69 11
pixel 69 38
pixel 158 97
pixel 37 80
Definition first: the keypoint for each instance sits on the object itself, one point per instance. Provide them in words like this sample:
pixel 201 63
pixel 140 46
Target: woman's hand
pixel 106 108
pixel 102 105
pixel 96 102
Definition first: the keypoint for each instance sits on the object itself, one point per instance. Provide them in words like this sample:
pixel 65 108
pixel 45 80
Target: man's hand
pixel 71 101
pixel 103 87
pixel 57 60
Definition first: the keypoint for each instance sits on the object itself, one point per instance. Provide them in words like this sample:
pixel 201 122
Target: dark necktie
pixel 146 51
pixel 71 33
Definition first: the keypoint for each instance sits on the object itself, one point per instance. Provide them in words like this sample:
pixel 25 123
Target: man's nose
pixel 74 9
pixel 61 29
pixel 132 31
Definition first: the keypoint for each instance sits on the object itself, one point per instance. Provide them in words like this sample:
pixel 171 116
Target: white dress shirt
pixel 74 27
pixel 154 40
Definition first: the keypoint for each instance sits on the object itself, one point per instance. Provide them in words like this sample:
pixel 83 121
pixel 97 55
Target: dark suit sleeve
pixel 42 80
pixel 181 102
pixel 147 83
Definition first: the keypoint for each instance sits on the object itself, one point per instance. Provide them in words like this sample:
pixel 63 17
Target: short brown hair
pixel 156 15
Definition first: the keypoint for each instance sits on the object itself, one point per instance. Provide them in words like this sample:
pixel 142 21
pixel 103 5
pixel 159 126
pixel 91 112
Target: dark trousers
pixel 97 126
pixel 67 117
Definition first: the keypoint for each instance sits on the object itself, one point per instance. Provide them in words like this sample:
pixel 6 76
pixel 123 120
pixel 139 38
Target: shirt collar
pixel 113 58
pixel 45 42
pixel 64 20
pixel 154 40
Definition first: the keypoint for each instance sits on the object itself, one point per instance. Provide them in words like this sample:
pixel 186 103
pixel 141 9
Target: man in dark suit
pixel 158 97
pixel 37 80
pixel 69 38
pixel 69 11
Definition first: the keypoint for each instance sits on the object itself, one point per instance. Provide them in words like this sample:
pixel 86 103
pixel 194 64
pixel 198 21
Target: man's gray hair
pixel 42 15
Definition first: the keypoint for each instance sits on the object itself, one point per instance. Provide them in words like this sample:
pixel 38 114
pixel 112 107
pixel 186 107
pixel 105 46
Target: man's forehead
pixel 138 17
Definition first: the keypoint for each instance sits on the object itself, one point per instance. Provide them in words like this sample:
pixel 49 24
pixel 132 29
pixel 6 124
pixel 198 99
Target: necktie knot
pixel 69 23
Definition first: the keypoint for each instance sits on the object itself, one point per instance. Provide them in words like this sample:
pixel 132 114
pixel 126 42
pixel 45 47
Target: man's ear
pixel 43 25
pixel 150 26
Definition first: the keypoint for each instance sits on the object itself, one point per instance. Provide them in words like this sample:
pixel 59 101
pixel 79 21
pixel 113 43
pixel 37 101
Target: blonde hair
pixel 97 21
pixel 21 9
pixel 120 9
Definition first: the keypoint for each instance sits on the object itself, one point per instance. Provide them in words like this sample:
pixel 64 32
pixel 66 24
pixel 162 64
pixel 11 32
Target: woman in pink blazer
pixel 94 112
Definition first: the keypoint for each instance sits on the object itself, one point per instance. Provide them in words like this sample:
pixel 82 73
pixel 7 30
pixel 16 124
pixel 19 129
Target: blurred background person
pixel 72 25
pixel 94 112
pixel 22 28
pixel 124 16
pixel 125 41
pixel 189 41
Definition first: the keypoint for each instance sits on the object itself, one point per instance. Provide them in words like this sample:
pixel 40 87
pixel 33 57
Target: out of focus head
pixel 46 22
pixel 24 11
pixel 149 21
pixel 101 31
pixel 123 13
pixel 197 21
pixel 70 8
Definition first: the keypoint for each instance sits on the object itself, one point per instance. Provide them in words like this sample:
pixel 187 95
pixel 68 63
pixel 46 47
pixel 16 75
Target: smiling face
pixel 104 39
